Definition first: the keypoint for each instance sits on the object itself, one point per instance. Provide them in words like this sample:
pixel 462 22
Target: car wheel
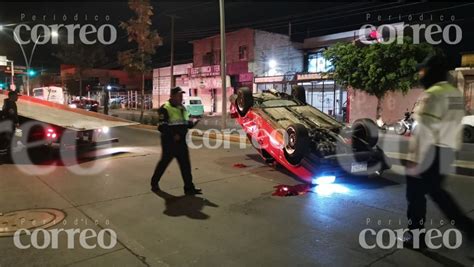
pixel 297 143
pixel 468 133
pixel 244 101
pixel 364 130
pixel 298 92
pixel 400 129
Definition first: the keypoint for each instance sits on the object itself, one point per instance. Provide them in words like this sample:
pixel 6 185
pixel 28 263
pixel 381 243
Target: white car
pixel 468 132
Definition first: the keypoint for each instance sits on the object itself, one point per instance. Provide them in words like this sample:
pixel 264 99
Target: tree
pixel 83 57
pixel 138 29
pixel 378 68
pixel 48 79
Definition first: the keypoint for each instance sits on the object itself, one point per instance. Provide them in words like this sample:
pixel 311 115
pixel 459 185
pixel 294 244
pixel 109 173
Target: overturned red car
pixel 307 142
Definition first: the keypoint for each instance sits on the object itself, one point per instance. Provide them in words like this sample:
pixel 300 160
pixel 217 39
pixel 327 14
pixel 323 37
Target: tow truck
pixel 52 124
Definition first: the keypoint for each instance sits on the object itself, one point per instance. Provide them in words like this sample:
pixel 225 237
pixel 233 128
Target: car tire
pixel 468 134
pixel 365 130
pixel 400 129
pixel 297 143
pixel 298 92
pixel 244 101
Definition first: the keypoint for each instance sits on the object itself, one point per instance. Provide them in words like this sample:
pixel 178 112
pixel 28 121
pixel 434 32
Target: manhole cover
pixel 12 221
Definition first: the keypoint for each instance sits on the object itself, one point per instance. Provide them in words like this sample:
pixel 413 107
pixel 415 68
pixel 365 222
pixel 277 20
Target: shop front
pixel 323 93
pixel 162 82
pixel 278 83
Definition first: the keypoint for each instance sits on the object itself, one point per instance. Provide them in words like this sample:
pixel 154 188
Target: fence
pixel 130 100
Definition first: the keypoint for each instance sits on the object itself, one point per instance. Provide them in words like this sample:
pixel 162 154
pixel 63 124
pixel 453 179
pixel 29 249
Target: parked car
pixel 307 142
pixel 85 103
pixel 116 100
pixel 194 106
pixel 468 128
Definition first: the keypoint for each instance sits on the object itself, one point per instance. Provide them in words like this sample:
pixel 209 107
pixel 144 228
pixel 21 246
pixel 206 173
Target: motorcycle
pixel 405 125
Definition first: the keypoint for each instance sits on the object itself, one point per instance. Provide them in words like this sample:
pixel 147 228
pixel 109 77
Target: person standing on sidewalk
pixel 9 118
pixel 173 123
pixel 432 148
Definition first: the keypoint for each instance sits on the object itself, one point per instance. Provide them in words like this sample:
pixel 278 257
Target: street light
pixel 27 62
pixel 272 64
pixel 109 87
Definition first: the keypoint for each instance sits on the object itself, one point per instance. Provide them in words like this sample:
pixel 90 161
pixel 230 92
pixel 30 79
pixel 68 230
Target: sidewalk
pixel 151 118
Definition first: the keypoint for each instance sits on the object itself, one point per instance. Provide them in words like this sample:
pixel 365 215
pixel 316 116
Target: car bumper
pixel 343 164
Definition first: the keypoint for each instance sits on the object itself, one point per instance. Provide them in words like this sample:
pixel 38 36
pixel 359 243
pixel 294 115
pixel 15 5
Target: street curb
pixel 212 135
pixel 144 126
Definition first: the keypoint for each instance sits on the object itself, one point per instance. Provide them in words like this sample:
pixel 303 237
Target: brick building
pixel 248 54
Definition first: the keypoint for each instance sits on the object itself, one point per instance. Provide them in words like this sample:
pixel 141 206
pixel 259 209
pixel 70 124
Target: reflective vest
pixel 439 118
pixel 176 115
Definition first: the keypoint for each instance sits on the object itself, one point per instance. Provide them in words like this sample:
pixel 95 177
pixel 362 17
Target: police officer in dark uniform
pixel 174 124
pixel 9 119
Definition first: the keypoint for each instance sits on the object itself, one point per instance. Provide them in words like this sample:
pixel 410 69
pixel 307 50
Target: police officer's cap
pixel 177 90
pixel 434 62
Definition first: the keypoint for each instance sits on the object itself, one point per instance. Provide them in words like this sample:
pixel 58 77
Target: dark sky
pixel 199 19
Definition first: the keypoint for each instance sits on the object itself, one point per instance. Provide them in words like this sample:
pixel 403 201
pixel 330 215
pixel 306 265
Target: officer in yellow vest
pixel 435 139
pixel 174 124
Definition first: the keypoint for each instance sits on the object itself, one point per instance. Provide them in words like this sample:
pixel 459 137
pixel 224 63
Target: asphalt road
pixel 237 222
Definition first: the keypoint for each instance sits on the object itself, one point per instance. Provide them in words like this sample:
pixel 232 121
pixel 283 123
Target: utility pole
pixel 12 83
pixel 173 17
pixel 223 66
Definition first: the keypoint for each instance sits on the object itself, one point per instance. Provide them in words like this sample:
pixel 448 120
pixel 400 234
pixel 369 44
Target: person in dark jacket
pixel 9 121
pixel 173 123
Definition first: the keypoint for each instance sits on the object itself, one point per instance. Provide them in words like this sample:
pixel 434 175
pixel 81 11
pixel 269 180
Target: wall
pixel 162 82
pixel 395 104
pixel 287 54
pixel 243 37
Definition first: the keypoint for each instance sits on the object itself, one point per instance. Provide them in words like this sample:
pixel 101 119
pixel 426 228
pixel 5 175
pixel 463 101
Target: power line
pixel 283 20
pixel 434 10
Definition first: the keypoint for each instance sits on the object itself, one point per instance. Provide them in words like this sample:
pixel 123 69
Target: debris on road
pixel 291 190
pixel 240 165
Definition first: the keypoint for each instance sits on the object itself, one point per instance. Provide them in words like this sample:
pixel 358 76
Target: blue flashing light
pixel 330 189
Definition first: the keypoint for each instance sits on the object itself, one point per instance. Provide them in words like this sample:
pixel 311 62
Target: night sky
pixel 201 19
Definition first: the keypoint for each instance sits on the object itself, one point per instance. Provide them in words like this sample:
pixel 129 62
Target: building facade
pixel 249 53
pixel 96 79
pixel 162 82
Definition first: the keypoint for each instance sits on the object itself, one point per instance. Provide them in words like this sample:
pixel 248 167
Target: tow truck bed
pixel 64 116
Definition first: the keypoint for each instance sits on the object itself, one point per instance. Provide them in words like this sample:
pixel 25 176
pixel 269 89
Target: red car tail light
pixel 51 134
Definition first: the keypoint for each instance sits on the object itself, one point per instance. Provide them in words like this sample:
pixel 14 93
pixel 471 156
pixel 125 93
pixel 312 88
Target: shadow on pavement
pixel 189 206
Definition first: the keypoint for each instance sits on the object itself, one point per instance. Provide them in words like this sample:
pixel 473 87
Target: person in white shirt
pixel 435 140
